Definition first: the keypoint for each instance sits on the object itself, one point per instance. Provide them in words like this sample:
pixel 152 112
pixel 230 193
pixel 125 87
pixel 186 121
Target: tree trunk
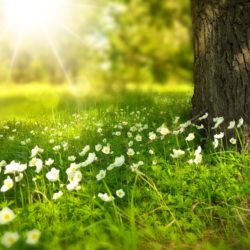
pixel 221 36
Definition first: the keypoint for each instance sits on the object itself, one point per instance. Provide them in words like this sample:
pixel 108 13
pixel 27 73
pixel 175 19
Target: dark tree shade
pixel 221 31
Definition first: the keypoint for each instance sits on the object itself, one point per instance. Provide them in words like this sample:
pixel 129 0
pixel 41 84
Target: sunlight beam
pixel 15 53
pixel 57 56
pixel 70 31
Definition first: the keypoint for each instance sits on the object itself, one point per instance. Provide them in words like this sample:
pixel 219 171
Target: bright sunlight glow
pixel 28 19
pixel 32 15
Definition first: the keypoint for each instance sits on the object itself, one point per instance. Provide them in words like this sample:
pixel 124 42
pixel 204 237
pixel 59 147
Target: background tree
pixel 221 30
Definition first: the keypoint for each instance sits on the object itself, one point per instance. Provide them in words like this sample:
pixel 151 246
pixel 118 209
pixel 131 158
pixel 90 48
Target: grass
pixel 168 203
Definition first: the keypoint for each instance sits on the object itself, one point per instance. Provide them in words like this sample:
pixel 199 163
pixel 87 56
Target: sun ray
pixel 70 31
pixel 57 56
pixel 27 18
pixel 18 42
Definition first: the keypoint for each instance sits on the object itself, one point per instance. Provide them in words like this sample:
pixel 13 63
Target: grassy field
pixel 118 171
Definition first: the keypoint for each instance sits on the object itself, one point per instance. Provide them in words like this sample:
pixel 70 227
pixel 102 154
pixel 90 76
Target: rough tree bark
pixel 221 36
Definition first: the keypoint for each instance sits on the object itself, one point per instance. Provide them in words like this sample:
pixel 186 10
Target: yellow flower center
pixel 7 216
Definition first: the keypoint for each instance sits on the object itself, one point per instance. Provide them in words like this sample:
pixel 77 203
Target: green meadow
pixel 116 171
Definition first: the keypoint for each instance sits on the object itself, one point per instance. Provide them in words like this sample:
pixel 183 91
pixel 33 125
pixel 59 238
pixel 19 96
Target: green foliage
pixel 152 41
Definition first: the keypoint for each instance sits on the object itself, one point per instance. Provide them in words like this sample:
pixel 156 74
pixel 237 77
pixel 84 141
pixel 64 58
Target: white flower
pixel 133 129
pixel 129 134
pixel 184 126
pixel 119 161
pixel 218 121
pixel 72 185
pixel 57 195
pixel 91 158
pixel 101 175
pixel 53 175
pixel 35 151
pixel 164 131
pixel 199 127
pixel 33 237
pixel 216 143
pixel 72 158
pixel 205 116
pixel 49 162
pixel 118 133
pixel 198 151
pixel 105 197
pixel 99 130
pixel 120 193
pixel 190 137
pixel 138 138
pixel 77 176
pixel 240 123
pixel 14 167
pixel 151 151
pixel 130 152
pixel 72 169
pixel 10 238
pixel 231 125
pixel 85 150
pixel 57 148
pixel 135 166
pixel 38 163
pixel 65 145
pixel 3 164
pixel 106 150
pixel 22 168
pixel 219 136
pixel 98 147
pixel 7 184
pixel 152 136
pixel 6 216
pixel 51 141
pixel 233 141
pixel 154 162
pixel 198 159
pixel 19 177
pixel 176 132
pixel 177 153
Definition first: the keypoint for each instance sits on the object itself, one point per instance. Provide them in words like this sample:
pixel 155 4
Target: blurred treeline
pixel 113 42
